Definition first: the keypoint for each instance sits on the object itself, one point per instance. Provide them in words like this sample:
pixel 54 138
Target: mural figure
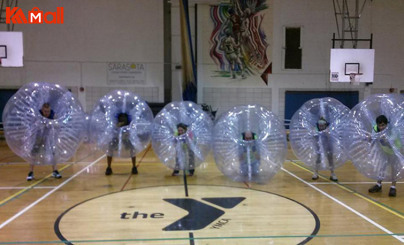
pixel 233 55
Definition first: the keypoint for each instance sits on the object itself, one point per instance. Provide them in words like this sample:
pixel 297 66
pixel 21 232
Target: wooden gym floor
pixel 87 207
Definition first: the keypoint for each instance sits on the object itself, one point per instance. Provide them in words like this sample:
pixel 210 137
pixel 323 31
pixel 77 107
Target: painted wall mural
pixel 238 42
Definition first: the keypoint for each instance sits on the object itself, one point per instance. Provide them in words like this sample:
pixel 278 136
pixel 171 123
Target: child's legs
pixel 109 160
pixel 382 168
pixel 394 162
pixel 134 161
pixel 191 160
pixel 330 161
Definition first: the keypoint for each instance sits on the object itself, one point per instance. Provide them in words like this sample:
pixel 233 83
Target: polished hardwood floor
pixel 153 207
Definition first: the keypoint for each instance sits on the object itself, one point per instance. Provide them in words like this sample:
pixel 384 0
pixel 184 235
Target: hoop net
pixel 355 78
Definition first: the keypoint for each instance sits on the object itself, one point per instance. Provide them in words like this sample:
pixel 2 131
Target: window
pixel 293 50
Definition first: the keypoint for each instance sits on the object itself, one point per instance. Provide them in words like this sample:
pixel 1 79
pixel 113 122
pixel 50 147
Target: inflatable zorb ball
pixel 249 144
pixel 182 151
pixel 120 124
pixel 377 154
pixel 316 132
pixel 86 130
pixel 35 138
pixel 88 144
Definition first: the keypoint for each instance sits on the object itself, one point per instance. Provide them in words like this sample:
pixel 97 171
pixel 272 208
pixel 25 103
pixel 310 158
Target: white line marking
pixel 47 194
pixel 8 163
pixel 75 162
pixel 346 206
pixel 19 188
pixel 25 163
pixel 347 183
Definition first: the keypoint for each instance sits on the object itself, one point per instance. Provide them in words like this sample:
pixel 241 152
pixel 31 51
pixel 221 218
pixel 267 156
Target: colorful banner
pixel 189 87
pixel 238 43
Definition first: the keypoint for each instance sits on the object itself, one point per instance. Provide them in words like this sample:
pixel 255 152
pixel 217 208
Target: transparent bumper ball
pixel 88 144
pixel 182 135
pixel 120 124
pixel 377 150
pixel 249 144
pixel 37 137
pixel 316 132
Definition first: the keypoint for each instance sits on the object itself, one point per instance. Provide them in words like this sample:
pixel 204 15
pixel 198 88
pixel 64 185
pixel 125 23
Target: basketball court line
pixel 48 193
pixel 24 163
pixel 4 158
pixel 400 238
pixel 138 164
pixel 209 238
pixel 25 189
pixel 348 183
pixel 8 163
pixel 19 188
pixel 366 198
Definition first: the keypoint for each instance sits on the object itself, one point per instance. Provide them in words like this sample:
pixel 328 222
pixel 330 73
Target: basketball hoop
pixel 354 78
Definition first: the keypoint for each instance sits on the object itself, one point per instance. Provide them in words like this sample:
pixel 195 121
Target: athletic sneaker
pixel 375 188
pixel 191 172
pixel 134 170
pixel 175 173
pixel 392 192
pixel 56 174
pixel 30 176
pixel 108 171
pixel 315 176
pixel 333 177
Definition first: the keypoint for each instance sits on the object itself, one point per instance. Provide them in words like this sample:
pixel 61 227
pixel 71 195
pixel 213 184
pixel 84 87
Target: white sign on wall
pixel 126 73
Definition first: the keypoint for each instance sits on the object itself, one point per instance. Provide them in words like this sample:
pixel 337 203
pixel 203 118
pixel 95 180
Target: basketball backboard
pixel 11 49
pixel 348 63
